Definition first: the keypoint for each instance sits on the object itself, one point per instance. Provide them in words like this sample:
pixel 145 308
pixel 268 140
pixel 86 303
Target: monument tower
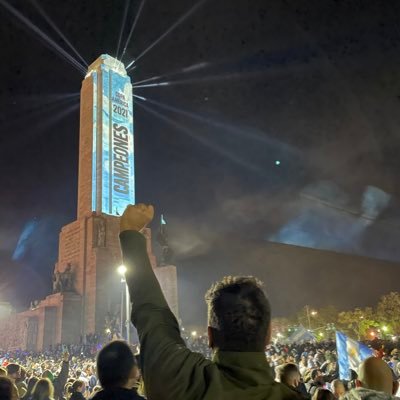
pixel 86 287
pixel 106 161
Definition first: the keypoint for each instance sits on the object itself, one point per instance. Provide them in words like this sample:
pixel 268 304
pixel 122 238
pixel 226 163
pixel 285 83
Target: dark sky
pixel 314 84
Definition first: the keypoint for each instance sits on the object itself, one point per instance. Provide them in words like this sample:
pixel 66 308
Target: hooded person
pixel 374 382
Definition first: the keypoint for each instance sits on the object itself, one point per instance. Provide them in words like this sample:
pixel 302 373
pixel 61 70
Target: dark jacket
pixel 60 381
pixel 77 396
pixel 117 394
pixel 170 370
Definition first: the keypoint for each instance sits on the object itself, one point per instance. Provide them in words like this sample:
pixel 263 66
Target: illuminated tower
pixel 106 160
pixel 86 286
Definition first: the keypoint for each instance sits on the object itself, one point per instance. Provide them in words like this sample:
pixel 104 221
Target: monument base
pixel 90 248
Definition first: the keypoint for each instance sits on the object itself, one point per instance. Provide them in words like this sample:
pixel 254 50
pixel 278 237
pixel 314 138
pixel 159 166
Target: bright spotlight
pixel 121 270
pixel 385 328
pixel 277 163
pixel 194 333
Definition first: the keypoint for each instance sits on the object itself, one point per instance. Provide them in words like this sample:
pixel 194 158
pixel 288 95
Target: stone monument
pixel 86 286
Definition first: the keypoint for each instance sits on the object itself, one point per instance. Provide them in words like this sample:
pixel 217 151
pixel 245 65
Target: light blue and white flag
pixel 350 354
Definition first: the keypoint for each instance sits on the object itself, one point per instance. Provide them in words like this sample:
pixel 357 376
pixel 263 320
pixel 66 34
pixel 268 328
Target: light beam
pixel 127 2
pixel 246 132
pixel 170 29
pixel 202 140
pixel 184 70
pixel 45 37
pixel 55 27
pixel 132 28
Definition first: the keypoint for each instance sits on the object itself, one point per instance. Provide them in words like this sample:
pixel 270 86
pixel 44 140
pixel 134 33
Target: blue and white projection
pixel 113 173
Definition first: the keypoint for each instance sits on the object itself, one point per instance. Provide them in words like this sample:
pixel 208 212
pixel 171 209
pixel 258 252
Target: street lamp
pixel 313 313
pixel 122 271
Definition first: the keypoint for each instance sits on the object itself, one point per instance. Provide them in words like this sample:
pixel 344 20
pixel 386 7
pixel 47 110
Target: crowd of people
pixel 77 372
pixel 234 360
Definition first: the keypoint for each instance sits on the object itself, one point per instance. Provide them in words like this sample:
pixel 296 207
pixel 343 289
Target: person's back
pixel 117 372
pixel 239 329
pixel 77 389
pixel 43 390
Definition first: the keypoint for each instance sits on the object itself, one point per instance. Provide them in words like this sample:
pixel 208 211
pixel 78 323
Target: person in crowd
pixel 303 365
pixel 323 394
pixel 91 377
pixel 239 328
pixel 8 391
pixel 117 371
pixel 31 384
pixel 67 391
pixel 43 390
pixel 20 383
pixel 338 388
pixel 316 382
pixel 60 380
pixel 13 371
pixel 78 388
pixel 375 381
pixel 289 375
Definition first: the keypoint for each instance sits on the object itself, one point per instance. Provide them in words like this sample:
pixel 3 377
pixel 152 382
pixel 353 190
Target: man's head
pixel 338 388
pixel 317 376
pixel 289 375
pixel 239 315
pixel 13 371
pixel 375 374
pixel 116 366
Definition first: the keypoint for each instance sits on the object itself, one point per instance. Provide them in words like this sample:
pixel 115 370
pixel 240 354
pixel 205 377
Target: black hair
pixel 239 314
pixel 114 364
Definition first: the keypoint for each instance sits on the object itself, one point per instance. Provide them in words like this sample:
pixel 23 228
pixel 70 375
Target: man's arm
pixel 61 379
pixel 170 370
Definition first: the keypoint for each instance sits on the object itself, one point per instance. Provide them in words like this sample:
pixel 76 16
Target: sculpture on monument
pixel 63 281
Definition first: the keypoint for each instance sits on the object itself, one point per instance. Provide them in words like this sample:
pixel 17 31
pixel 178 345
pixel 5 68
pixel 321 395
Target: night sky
pixel 283 124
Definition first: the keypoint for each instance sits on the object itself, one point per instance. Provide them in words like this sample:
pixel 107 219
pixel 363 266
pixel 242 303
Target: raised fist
pixel 65 356
pixel 136 217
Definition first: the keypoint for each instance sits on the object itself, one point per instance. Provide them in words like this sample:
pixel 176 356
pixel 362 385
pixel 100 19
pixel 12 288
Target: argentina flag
pixel 350 354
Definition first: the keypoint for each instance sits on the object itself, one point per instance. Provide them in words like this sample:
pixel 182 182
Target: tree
pixel 388 311
pixel 317 319
pixel 357 322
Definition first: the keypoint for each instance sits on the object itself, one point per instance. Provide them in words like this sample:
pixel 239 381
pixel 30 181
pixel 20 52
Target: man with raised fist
pixel 239 319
